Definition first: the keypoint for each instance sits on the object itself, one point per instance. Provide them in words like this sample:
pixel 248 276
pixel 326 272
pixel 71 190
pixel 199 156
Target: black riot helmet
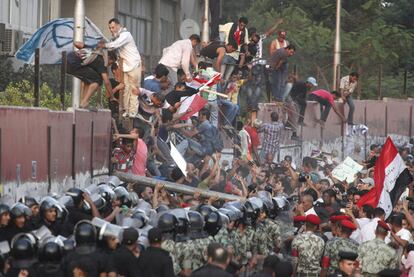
pixel 22 248
pixel 85 233
pixel 250 214
pixel 51 252
pixel 204 210
pixel 213 223
pixel 19 210
pixel 46 205
pixel 196 221
pixel 76 194
pixel 4 209
pixel 123 196
pixel 167 223
pixel 182 226
pixel 29 201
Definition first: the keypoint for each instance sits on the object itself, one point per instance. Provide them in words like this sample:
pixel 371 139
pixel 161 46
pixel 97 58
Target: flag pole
pixel 79 26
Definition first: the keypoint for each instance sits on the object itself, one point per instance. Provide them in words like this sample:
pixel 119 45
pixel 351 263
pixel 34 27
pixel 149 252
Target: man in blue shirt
pixel 160 75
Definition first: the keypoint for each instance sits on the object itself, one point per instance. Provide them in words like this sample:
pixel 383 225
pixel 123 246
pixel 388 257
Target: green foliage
pixel 373 33
pixel 21 94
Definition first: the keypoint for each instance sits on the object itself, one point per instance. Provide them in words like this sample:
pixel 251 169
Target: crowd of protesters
pixel 293 218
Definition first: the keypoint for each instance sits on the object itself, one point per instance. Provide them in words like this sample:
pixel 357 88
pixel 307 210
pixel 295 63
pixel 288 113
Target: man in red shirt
pixel 254 137
pixel 326 101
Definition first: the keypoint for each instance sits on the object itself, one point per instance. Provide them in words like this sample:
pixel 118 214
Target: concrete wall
pixel 389 117
pixel 37 154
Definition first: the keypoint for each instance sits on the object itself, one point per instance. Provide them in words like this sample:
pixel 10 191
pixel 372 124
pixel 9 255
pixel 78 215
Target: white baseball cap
pixel 312 81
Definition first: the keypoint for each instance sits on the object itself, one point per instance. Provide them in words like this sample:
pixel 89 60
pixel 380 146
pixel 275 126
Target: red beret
pixel 314 219
pixel 336 218
pixel 383 225
pixel 299 218
pixel 348 224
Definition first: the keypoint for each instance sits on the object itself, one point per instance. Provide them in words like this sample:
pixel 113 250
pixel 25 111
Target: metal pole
pixel 180 188
pixel 79 26
pixel 63 81
pixel 337 50
pixel 37 78
pixel 205 32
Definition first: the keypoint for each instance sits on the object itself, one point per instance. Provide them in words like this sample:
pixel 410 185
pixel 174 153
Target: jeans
pixel 351 105
pixel 301 104
pixel 227 66
pixel 325 106
pixel 277 83
pixel 214 110
pixel 230 110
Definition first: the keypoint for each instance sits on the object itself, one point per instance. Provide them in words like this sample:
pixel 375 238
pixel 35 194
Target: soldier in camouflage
pixel 307 249
pixel 375 255
pixel 341 243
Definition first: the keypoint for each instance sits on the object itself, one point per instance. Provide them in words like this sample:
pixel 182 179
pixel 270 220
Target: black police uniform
pixel 88 258
pixel 125 262
pixel 210 270
pixel 156 262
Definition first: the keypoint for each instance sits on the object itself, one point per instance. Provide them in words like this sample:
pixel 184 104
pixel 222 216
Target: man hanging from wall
pixel 123 41
pixel 91 67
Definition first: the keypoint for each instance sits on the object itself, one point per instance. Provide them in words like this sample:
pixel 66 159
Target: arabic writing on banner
pixel 347 170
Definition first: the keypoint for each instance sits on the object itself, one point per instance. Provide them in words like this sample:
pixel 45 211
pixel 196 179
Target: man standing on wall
pixel 180 55
pixel 279 70
pixel 347 87
pixel 128 51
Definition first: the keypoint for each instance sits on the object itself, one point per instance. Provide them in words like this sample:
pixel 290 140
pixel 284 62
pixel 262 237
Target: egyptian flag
pixel 391 178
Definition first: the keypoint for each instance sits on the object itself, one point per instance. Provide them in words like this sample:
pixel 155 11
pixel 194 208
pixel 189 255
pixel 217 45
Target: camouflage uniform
pixel 375 255
pixel 273 230
pixel 309 248
pixel 197 254
pixel 335 245
pixel 185 252
pixel 263 239
pixel 170 246
pixel 223 237
pixel 244 243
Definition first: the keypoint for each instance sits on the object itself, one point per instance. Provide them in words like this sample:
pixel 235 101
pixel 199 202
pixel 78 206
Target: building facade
pixel 154 24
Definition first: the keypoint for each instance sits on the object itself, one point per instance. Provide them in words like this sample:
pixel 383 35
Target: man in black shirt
pixel 180 90
pixel 124 257
pixel 298 95
pixel 218 259
pixel 155 261
pixel 91 67
pixel 216 50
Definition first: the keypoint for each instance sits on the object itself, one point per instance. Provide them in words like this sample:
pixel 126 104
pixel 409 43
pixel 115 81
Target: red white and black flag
pixel 391 178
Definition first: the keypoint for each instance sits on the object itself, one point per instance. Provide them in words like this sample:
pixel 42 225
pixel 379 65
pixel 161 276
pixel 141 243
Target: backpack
pixel 217 144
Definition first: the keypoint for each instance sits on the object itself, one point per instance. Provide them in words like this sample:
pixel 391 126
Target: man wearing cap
pixel 155 261
pixel 341 243
pixel 375 255
pixel 307 249
pixel 346 264
pixel 124 256
pixel 298 94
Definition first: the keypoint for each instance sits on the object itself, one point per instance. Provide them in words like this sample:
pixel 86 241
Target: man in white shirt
pixel 128 51
pixel 368 230
pixel 306 205
pixel 180 55
pixel 347 87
